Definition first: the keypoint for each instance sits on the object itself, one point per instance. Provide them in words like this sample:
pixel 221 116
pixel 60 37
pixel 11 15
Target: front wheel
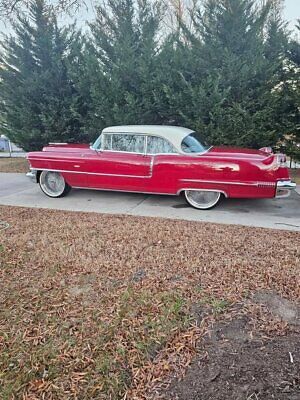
pixel 202 199
pixel 53 184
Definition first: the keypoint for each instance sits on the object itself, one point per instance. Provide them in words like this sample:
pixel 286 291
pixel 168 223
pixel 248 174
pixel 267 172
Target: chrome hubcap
pixel 202 199
pixel 52 183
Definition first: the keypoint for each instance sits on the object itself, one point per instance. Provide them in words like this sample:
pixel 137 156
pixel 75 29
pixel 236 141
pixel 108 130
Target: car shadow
pixel 285 207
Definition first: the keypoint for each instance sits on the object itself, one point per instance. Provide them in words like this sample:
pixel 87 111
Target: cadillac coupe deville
pixel 160 160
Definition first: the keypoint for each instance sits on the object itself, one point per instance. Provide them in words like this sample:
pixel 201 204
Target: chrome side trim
pixel 266 184
pixel 124 152
pixel 146 145
pixel 271 184
pixel 57 143
pixel 151 166
pixel 98 173
pixel 124 191
pixel 69 160
pixel 203 190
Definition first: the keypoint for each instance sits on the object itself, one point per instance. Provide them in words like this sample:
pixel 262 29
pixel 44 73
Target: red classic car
pixel 160 160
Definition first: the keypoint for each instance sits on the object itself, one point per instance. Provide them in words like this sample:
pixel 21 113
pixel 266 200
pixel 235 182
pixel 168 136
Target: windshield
pixel 97 143
pixel 192 144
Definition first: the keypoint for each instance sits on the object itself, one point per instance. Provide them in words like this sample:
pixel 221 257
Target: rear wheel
pixel 202 199
pixel 53 184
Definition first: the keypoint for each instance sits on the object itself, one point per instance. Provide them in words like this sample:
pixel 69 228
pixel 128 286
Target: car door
pixel 164 165
pixel 120 163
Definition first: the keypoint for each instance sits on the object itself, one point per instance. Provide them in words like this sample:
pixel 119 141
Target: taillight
pixel 281 160
pixel 267 150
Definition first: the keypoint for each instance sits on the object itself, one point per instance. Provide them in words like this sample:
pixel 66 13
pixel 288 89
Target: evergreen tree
pixel 292 91
pixel 39 100
pixel 228 88
pixel 233 76
pixel 294 68
pixel 122 62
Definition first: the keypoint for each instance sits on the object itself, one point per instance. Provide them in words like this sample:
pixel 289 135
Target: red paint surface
pixel 235 171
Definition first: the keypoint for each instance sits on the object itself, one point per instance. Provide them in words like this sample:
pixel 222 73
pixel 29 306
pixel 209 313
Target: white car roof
pixel 174 134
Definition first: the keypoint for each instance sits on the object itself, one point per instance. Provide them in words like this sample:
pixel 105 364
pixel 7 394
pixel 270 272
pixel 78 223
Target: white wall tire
pixel 53 184
pixel 202 199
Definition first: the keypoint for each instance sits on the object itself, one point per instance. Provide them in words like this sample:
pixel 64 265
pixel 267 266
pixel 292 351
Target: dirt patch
pixel 236 364
pixel 278 306
pixel 79 290
pixel 14 165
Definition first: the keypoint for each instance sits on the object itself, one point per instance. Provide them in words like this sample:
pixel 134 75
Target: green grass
pixel 138 329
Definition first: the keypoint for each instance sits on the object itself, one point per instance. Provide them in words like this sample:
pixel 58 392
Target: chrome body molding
pixel 266 184
pixel 151 166
pixel 260 184
pixel 123 191
pixel 67 159
pixel 284 188
pixel 98 173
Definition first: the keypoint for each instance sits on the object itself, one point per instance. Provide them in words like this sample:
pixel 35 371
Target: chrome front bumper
pixel 32 176
pixel 284 188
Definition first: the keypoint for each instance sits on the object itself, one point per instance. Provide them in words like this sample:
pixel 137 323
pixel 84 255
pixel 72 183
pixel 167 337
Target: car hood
pixel 66 147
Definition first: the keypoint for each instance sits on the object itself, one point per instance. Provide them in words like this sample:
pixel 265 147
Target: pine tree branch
pixel 9 9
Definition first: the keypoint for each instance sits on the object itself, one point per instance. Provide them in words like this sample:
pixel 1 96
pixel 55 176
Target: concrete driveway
pixel 17 190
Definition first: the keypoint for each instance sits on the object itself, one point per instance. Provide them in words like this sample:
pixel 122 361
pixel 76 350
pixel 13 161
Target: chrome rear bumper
pixel 32 176
pixel 284 188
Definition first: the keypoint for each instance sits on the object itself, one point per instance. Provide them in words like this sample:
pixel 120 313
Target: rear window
pixel 158 145
pixel 192 144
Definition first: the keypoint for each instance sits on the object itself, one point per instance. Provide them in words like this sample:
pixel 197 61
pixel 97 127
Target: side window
pixel 123 142
pixel 157 145
pixel 106 141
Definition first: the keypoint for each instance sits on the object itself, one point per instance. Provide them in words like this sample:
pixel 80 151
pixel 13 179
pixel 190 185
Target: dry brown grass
pixel 14 165
pixel 295 175
pixel 100 307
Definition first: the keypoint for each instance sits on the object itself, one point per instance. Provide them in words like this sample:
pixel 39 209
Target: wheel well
pixel 38 174
pixel 223 193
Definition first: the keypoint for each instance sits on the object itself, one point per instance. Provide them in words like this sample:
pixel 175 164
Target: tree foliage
pixel 229 70
pixel 10 9
pixel 229 89
pixel 39 100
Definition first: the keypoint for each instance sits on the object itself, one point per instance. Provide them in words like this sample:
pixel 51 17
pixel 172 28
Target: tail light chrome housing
pixel 267 150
